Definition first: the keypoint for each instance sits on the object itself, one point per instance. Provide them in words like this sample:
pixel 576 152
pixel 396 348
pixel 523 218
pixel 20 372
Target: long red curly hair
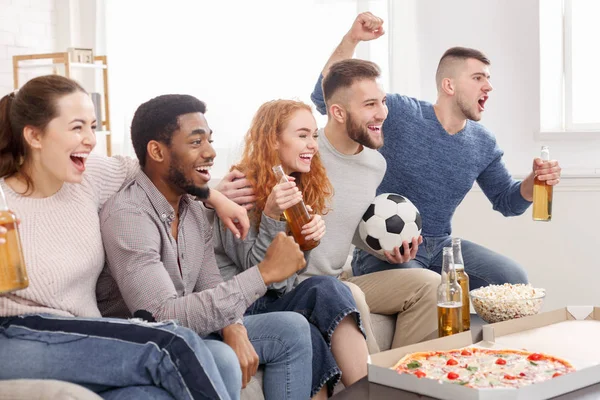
pixel 260 156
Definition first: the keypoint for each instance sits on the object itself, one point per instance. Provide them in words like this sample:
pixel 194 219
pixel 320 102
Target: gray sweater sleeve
pixel 251 251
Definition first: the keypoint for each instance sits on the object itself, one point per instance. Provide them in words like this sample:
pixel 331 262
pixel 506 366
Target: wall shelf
pixel 55 60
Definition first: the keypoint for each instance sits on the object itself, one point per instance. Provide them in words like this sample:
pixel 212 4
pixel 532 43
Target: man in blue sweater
pixel 435 152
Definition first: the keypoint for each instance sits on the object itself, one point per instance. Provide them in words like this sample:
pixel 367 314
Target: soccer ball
pixel 389 220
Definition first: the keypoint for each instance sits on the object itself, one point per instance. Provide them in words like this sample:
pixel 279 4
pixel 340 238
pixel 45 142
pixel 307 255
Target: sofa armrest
pixel 44 389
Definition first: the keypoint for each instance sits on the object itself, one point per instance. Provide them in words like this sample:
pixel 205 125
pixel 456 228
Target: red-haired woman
pixel 285 132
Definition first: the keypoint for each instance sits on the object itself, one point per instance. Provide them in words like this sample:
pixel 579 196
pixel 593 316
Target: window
pixel 582 64
pixel 569 64
pixel 234 55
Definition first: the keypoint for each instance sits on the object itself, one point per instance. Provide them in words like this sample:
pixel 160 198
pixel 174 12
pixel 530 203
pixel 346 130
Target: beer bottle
pixel 296 216
pixel 449 298
pixel 13 275
pixel 542 194
pixel 463 280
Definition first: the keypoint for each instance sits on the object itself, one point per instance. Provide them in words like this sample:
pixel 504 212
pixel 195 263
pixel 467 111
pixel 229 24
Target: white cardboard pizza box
pixel 570 333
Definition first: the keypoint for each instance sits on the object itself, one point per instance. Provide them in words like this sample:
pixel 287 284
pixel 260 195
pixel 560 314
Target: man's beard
pixel 360 134
pixel 466 110
pixel 177 178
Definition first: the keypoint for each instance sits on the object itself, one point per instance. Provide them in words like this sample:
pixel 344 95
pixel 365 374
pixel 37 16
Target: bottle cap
pixel 545 153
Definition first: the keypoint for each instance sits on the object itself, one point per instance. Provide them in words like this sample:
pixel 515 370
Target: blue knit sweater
pixel 434 169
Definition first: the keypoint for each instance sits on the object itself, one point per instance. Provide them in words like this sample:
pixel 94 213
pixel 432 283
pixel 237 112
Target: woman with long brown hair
pixel 284 132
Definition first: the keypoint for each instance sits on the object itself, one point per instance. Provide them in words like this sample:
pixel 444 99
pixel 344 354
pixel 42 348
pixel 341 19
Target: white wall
pixel 559 256
pixel 234 64
pixel 47 26
pixel 26 27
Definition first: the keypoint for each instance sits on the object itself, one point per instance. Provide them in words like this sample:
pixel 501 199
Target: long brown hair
pixel 35 104
pixel 260 155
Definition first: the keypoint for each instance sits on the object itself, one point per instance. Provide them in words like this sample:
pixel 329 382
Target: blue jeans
pixel 116 358
pixel 282 342
pixel 483 266
pixel 135 393
pixel 228 366
pixel 323 301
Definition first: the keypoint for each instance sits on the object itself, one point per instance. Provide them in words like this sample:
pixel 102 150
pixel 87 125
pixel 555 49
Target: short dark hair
pixel 458 54
pixel 35 104
pixel 344 73
pixel 158 118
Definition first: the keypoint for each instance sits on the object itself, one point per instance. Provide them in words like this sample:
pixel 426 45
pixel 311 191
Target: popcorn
pixel 495 303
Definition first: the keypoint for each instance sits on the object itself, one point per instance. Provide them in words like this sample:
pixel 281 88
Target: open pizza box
pixel 570 333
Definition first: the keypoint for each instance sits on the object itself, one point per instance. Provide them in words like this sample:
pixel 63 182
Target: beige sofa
pixel 43 389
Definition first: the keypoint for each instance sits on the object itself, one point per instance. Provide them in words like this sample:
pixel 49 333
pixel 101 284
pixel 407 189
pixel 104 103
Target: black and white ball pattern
pixel 389 220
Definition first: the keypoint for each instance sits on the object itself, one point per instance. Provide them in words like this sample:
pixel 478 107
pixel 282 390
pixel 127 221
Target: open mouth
pixel 481 102
pixel 376 129
pixel 306 157
pixel 78 160
pixel 204 171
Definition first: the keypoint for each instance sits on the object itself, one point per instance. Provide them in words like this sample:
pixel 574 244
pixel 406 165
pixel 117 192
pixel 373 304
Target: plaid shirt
pixel 147 269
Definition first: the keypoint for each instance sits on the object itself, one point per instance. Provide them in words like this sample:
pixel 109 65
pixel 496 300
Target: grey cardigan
pixel 235 255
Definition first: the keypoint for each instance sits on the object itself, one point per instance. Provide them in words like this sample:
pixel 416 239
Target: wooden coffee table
pixel 364 390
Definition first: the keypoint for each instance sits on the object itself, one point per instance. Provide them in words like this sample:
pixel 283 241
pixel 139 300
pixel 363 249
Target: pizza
pixel 484 368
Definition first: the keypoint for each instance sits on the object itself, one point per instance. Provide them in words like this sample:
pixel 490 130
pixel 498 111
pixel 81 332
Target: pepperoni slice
pixel 466 353
pixel 453 375
pixel 452 361
pixel 556 374
pixel 510 377
pixel 501 361
pixel 534 357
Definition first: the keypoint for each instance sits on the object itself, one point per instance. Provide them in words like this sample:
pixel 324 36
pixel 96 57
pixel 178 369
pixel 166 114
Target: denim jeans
pixel 116 358
pixel 228 366
pixel 323 301
pixel 136 393
pixel 282 342
pixel 483 266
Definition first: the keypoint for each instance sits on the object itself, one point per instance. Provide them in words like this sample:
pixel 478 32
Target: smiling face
pixel 297 142
pixel 472 87
pixel 191 155
pixel 62 149
pixel 365 113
